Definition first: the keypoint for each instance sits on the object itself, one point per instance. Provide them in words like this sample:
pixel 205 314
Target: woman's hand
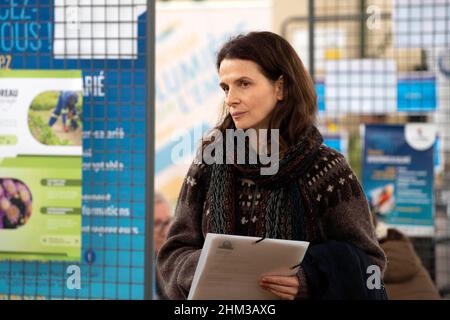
pixel 286 287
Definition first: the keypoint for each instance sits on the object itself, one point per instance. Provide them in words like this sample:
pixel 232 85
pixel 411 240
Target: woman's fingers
pixel 282 295
pixel 285 287
pixel 280 288
pixel 288 281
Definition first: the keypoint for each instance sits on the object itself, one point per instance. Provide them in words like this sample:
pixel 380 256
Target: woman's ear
pixel 279 87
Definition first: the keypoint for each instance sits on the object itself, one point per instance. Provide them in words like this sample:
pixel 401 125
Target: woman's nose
pixel 232 98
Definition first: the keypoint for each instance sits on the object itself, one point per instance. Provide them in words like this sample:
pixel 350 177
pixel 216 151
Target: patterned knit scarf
pixel 283 208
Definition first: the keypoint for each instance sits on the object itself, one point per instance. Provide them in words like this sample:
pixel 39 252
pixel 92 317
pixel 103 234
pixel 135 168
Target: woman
pixel 314 196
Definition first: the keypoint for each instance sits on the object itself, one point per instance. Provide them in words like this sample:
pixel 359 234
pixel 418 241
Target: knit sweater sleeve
pixel 178 257
pixel 342 206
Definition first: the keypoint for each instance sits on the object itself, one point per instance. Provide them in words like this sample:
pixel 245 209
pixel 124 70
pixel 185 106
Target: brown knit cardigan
pixel 335 208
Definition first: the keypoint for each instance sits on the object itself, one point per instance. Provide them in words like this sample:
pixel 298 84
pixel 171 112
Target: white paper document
pixel 230 267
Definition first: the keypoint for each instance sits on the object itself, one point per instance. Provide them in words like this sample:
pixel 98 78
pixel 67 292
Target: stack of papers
pixel 230 267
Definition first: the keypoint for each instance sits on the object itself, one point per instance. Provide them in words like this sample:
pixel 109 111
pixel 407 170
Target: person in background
pixel 161 222
pixel 66 107
pixel 406 277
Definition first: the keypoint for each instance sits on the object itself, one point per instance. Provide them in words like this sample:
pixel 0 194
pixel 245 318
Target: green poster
pixel 40 164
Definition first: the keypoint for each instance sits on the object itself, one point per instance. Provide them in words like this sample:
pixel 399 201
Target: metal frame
pixel 312 19
pixel 421 244
pixel 150 153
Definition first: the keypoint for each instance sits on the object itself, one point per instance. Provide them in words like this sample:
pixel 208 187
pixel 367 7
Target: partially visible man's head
pixel 161 222
pixel 72 98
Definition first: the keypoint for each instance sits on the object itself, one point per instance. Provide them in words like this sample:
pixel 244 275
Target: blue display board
pixel 114 156
pixel 416 93
pixel 398 176
pixel 320 91
pixel 334 142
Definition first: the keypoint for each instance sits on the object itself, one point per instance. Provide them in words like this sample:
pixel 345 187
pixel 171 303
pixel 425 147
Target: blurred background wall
pixel 374 62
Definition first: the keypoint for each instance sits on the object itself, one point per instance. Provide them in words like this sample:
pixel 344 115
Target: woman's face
pixel 249 96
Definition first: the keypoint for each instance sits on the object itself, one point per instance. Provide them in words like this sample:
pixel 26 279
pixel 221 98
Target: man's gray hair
pixel 159 197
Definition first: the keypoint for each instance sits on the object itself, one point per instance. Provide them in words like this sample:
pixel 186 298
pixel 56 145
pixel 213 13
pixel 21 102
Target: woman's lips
pixel 238 115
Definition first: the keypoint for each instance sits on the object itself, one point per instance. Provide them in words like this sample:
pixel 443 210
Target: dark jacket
pixel 338 270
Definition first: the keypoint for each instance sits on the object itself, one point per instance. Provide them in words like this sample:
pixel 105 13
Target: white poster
pixel 366 86
pixel 439 60
pixel 188 97
pixel 421 24
pixel 328 44
pixel 97 29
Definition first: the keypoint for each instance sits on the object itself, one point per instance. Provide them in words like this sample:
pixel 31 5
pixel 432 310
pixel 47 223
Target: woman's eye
pixel 245 84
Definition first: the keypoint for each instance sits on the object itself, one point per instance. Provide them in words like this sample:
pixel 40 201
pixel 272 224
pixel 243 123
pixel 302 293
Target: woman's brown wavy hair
pixel 275 58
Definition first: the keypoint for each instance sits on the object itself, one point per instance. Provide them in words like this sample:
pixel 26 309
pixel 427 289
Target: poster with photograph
pixel 114 162
pixel 40 164
pixel 398 176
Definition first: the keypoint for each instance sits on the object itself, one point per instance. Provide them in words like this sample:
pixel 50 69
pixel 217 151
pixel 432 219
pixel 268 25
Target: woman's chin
pixel 241 125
